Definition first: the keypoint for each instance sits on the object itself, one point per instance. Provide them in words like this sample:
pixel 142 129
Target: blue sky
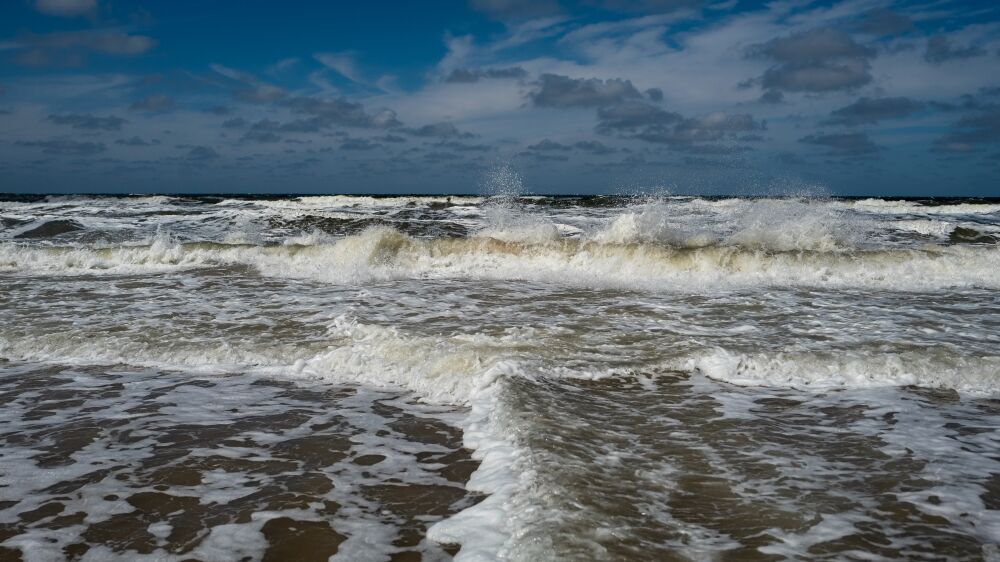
pixel 599 96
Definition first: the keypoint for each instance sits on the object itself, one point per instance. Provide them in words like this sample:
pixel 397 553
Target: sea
pixel 499 377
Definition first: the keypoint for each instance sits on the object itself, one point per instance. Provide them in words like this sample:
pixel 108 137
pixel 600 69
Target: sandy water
pixel 506 378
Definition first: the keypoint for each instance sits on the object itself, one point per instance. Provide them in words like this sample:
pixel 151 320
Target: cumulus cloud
pixel 66 147
pixel 327 112
pixel 442 130
pixel 558 91
pixel 88 122
pixel 594 147
pixel 940 49
pixel 359 144
pixel 201 154
pixel 137 141
pixel 868 111
pixel 547 145
pixel 66 8
pixel 631 116
pixel 468 76
pixel 821 60
pixel 971 132
pixel 843 144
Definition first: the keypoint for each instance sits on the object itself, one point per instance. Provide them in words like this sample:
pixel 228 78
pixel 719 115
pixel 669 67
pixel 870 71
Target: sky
pixel 873 97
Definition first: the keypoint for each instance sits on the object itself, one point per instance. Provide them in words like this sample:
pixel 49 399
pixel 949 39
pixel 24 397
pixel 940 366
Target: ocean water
pixel 499 378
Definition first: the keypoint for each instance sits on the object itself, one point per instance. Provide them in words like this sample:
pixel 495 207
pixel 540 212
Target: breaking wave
pixel 977 375
pixel 381 253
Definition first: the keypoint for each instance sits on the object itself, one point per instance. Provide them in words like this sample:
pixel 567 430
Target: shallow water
pixel 521 379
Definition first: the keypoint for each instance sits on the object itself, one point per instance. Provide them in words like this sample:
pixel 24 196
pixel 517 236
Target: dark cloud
pixel 201 154
pixel 136 141
pixel 462 147
pixel 515 9
pixel 547 145
pixel 772 96
pixel 89 122
pixel 441 156
pixel 654 94
pixel 261 136
pixel 882 21
pixel 868 111
pixel 442 130
pixel 235 123
pixel 543 156
pixel 359 144
pixel 972 132
pixel 72 47
pixel 157 102
pixel 642 121
pixel 562 91
pixel 633 116
pixel 67 147
pixel 593 147
pixel 821 60
pixel 844 144
pixel 339 112
pixel 391 138
pixel 66 8
pixel 940 49
pixel 468 76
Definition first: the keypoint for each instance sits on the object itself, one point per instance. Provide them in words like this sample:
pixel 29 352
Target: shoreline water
pixel 679 378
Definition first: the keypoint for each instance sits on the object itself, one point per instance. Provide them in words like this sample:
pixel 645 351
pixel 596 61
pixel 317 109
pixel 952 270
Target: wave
pixel 381 253
pixel 855 369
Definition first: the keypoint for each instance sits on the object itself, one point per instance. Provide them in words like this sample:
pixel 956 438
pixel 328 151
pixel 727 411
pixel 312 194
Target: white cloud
pixel 342 63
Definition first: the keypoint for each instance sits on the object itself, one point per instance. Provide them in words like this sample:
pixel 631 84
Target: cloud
pixel 969 133
pixel 646 6
pixel 594 147
pixel 642 121
pixel 235 123
pixel 201 154
pixel 821 60
pixel 66 8
pixel 342 63
pixel 261 93
pixel 252 89
pixel 469 76
pixel 462 147
pixel 71 47
pixel 632 116
pixel 844 144
pixel 654 94
pixel 868 111
pixel 157 102
pixel 940 49
pixel 515 9
pixel 66 147
pixel 391 138
pixel 330 112
pixel 547 145
pixel 562 92
pixel 88 122
pixel 882 21
pixel 442 130
pixel 359 144
pixel 136 141
pixel 772 97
